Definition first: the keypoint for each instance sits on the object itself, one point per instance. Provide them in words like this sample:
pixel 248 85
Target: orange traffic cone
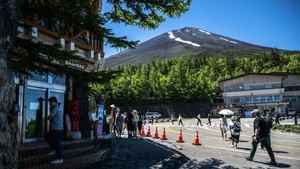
pixel 148 132
pixel 156 134
pixel 142 131
pixel 164 137
pixel 180 137
pixel 196 140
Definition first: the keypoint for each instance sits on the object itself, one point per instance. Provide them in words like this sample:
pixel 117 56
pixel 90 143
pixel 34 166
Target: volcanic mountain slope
pixel 185 41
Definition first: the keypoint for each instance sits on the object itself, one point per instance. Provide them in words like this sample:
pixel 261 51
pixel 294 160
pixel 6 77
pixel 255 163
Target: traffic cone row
pixel 196 140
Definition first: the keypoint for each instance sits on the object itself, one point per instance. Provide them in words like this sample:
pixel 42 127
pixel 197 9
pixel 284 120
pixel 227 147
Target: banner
pixel 100 115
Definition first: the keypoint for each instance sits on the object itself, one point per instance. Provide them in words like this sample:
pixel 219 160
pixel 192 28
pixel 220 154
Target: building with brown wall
pixel 34 90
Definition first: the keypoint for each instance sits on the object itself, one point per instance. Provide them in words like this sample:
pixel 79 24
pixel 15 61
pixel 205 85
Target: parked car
pixel 152 115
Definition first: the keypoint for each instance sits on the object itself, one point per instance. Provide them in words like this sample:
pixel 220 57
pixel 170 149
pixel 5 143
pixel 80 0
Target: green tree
pixel 69 19
pixel 188 78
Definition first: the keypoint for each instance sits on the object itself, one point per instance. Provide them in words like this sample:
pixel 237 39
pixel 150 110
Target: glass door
pixel 60 95
pixel 35 113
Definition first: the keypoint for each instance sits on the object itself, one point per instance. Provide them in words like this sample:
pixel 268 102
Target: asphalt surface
pixel 214 153
pixel 220 154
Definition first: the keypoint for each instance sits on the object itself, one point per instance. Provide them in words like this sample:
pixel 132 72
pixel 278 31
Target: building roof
pixel 258 74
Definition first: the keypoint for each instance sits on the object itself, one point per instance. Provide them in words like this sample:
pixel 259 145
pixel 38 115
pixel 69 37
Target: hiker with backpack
pixel 235 130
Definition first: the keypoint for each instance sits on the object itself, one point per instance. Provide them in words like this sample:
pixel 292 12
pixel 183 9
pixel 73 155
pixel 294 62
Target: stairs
pixel 82 154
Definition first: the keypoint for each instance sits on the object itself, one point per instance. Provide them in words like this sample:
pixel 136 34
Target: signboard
pixel 100 116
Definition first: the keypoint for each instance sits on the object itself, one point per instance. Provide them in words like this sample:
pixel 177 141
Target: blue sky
pixel 273 23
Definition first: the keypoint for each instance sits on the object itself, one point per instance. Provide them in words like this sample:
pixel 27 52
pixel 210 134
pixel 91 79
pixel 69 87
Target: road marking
pixel 193 127
pixel 241 151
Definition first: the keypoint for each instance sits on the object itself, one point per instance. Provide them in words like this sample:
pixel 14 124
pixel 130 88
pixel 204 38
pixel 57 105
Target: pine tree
pixel 69 19
pixel 8 117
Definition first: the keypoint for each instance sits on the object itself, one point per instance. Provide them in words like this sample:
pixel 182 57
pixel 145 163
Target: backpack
pixel 236 128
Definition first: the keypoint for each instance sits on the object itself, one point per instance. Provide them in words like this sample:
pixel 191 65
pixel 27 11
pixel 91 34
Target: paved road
pixel 220 154
pixel 215 153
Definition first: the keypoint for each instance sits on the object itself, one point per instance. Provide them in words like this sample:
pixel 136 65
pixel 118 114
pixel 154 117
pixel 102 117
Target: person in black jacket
pixel 262 135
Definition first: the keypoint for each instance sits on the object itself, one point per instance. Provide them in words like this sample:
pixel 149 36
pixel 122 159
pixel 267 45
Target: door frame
pixel 41 86
pixel 28 140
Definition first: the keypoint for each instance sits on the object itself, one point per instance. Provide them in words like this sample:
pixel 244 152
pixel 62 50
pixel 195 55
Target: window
pixel 48 78
pixel 38 77
pixel 57 79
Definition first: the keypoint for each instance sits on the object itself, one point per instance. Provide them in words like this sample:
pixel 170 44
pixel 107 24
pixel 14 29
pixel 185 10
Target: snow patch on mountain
pixel 234 42
pixel 178 39
pixel 203 31
pixel 230 41
pixel 171 35
pixel 187 42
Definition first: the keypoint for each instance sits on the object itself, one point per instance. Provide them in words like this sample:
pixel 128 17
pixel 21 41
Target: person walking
pixel 255 126
pixel 235 131
pixel 119 124
pixel 262 136
pixel 180 122
pixel 277 119
pixel 135 122
pixel 172 118
pixel 209 120
pixel 139 123
pixel 223 127
pixel 130 125
pixel 56 118
pixel 198 117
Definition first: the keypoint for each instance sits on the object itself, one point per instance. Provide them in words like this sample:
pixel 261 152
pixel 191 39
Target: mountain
pixel 185 41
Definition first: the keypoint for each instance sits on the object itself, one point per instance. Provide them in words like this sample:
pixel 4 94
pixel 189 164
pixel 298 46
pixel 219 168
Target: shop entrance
pixel 36 107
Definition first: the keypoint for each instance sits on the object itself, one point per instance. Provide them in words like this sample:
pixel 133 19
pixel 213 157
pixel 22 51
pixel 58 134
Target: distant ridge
pixel 185 41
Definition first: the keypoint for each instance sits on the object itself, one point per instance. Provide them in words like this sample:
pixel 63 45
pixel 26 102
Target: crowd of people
pixel 132 121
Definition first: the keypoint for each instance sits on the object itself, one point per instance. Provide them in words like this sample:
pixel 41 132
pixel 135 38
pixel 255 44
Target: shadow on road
pixel 279 165
pixel 244 148
pixel 143 154
pixel 281 152
pixel 275 151
pixel 244 141
pixel 211 163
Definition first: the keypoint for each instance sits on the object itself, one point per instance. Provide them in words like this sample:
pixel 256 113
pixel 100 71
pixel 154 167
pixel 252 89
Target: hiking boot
pixel 249 159
pixel 274 163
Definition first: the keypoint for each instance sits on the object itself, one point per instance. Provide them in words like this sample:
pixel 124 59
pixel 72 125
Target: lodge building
pixel 280 91
pixel 34 90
